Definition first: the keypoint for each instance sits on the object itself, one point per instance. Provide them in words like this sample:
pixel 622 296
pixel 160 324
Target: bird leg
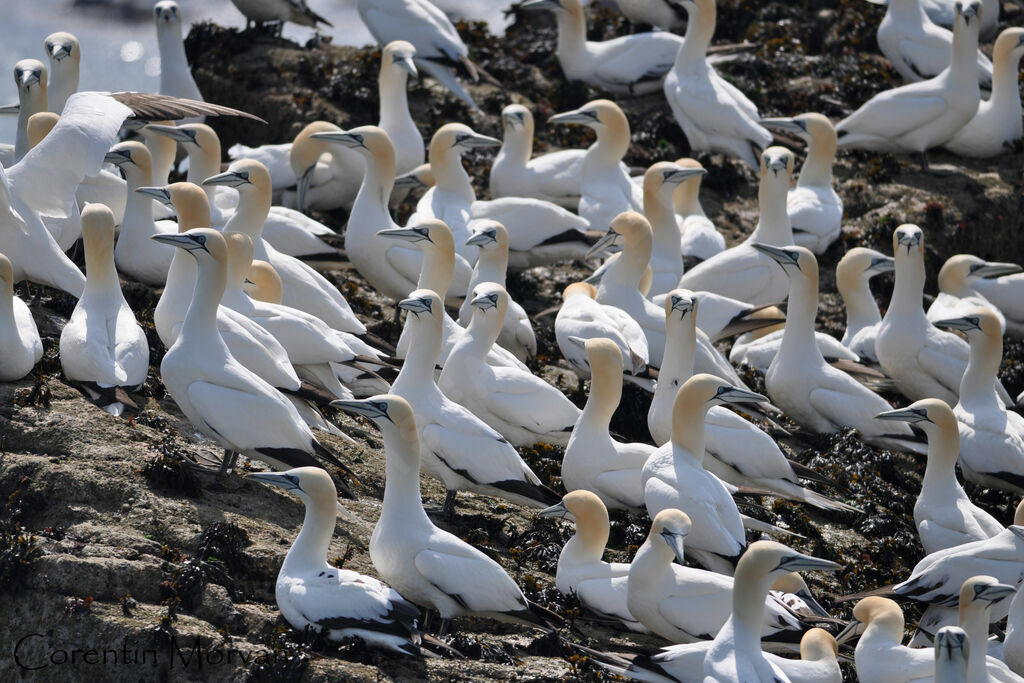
pixel 443 631
pixel 448 509
pixel 924 162
pixel 427 618
pixel 227 464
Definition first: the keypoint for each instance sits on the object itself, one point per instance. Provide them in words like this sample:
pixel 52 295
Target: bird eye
pixel 200 239
pixel 244 175
pixel 292 478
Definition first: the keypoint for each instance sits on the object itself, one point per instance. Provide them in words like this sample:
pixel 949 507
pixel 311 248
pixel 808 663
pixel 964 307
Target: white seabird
pixel 136 255
pixel 924 362
pixel 853 275
pixel 684 604
pixel 20 346
pixel 221 398
pixel 517 333
pixel 817 396
pixel 313 594
pixel 30 77
pixel 65 56
pixel 279 11
pixel 699 239
pixel 815 209
pixel 916 117
pixel 917 47
pixel 521 407
pixel 674 476
pixel 880 655
pixel 593 460
pixel 951 652
pixel 977 595
pixel 759 347
pixel 996 127
pixel 625 65
pixel 583 317
pixel 439 49
pixel 991 437
pixel 163 151
pixel 661 181
pixel 742 272
pixel 600 586
pixel 425 564
pixel 942 13
pixel 175 75
pixel 605 187
pixel 714 115
pixel 456 446
pixel 324 176
pixel 957 291
pixel 944 515
pixel 553 177
pixel 396 65
pixel 102 347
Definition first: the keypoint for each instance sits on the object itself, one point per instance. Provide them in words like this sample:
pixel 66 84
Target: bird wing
pixel 738 97
pixel 630 329
pixel 896 112
pixel 712 108
pixel 925 60
pixel 640 57
pixel 87 349
pixel 944 359
pixel 471 578
pixel 339 599
pixel 246 419
pixel 743 446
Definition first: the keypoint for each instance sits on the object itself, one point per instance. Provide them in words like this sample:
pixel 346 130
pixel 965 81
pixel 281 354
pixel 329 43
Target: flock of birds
pixel 262 347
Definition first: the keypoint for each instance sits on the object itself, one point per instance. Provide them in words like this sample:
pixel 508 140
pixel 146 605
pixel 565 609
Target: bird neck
pixel 686 199
pixel 940 469
pixel 482 332
pixel 886 627
pixel 516 146
pixel 32 102
pixel 201 318
pixel 491 266
pixel 680 353
pixel 628 269
pixel 589 541
pixel 572 36
pixel 250 214
pixel 402 498
pixel 162 150
pixel 423 352
pixel 1005 91
pixel 773 225
pixel 100 272
pixel 612 144
pixel 7 305
pixel 955 286
pixel 437 272
pixel 973 619
pixel 688 430
pixel 138 208
pixel 63 84
pixel 394 98
pixel 699 31
pixel 652 560
pixel 659 212
pixel 172 48
pixel 908 289
pixel 905 11
pixel 370 208
pixel 817 169
pixel 963 65
pixel 204 163
pixel 861 309
pixel 750 588
pixel 605 394
pixel 978 383
pixel 309 551
pixel 450 175
pixel 798 334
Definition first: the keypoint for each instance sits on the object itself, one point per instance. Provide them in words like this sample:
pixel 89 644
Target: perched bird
pixel 65 56
pixel 583 317
pixel 661 181
pixel 626 65
pixel 942 12
pixel 880 655
pixel 594 460
pixel 957 292
pixel 397 63
pixel 714 115
pixel 30 77
pixel 944 515
pixel 175 75
pixel 996 127
pixel 605 187
pixel 456 446
pixel 742 272
pixel 916 117
pixel 699 239
pixel 991 437
pixel 600 586
pixel 267 11
pixel 977 595
pixel 427 565
pixel 439 49
pixel 102 348
pixel 162 149
pixel 312 593
pixel 758 348
pixel 951 652
pixel 853 275
pixel 924 362
pixel 521 407
pixel 819 397
pixel 20 346
pixel 815 209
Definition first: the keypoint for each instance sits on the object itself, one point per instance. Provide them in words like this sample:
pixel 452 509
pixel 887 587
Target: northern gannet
pixel 20 346
pixel 439 49
pixel 991 437
pixel 917 47
pixel 554 177
pixel 942 13
pixel 539 232
pixel 957 292
pixel 924 362
pixel 102 347
pixel 135 255
pixel 626 65
pixel 736 451
pixel 393 268
pixel 396 65
pixel 919 116
pixel 996 127
pixel 815 209
pixel 944 515
pixel 759 347
pixel 175 75
pixel 30 77
pixel 605 187
pixel 951 652
pixel 977 595
pixel 714 115
pixel 304 288
pixel 325 177
pixel 742 272
pixel 699 240
pixel 456 446
pixel 425 564
pixel 163 151
pixel 853 275
pixel 582 316
pixel 817 396
pixel 880 655
pixel 312 593
pixel 674 476
pixel 517 334
pixel 279 11
pixel 593 460
pixel 65 56
pixel 521 407
pixel 661 181
pixel 223 400
pixel 684 604
pixel 600 586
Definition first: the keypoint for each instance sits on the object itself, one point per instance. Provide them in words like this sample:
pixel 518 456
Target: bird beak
pixel 405 234
pixel 781 256
pixel 286 481
pixel 485 301
pixel 994 592
pixel 964 324
pixel 737 395
pixel 970 11
pixel 406 64
pixel 415 305
pixel 410 180
pixel 28 78
pixel 607 240
pixel 182 135
pixel 798 562
pixel 158 193
pixel 578 341
pixel 558 511
pixel 675 541
pixel 229 178
pixel 117 157
pixel 852 630
pixel 787 124
pixel 991 270
pixel 575 116
pixel 59 51
pixel 350 140
pixel 477 141
pixel 776 164
pixel 911 415
pixel 481 238
pixel 180 241
pixel 909 239
pixel 369 408
pixel 882 264
pixel 678 176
